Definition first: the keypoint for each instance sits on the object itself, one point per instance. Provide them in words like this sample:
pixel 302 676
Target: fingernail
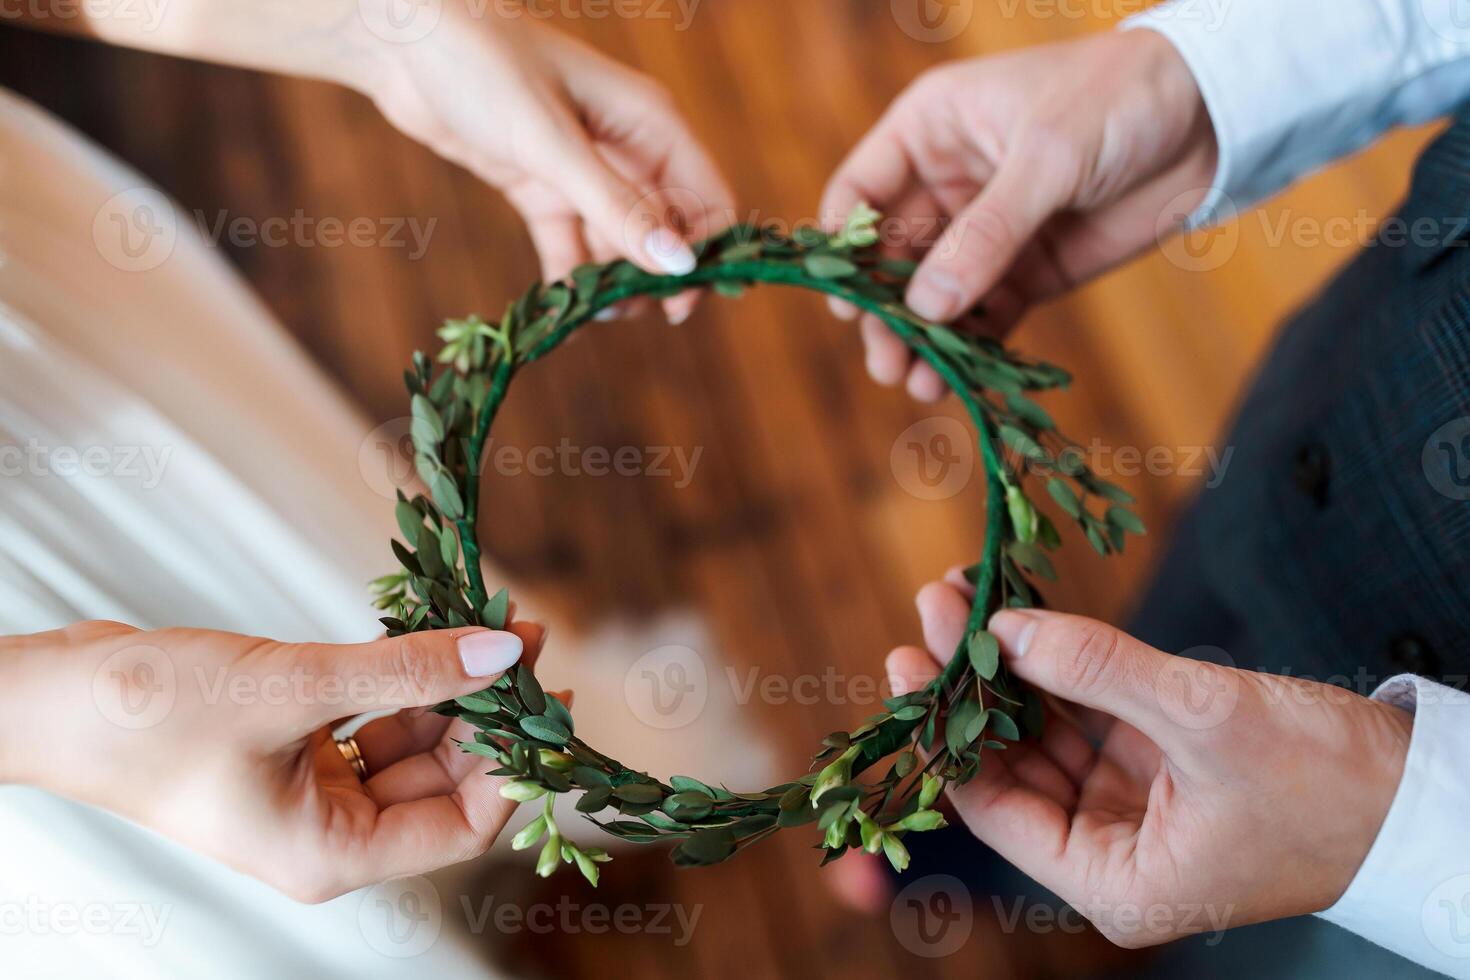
pixel 677 318
pixel 489 652
pixel 669 252
pixel 607 315
pixel 935 296
pixel 1014 629
pixel 842 309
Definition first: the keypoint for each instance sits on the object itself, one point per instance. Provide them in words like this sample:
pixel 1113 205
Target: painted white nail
pixel 669 252
pixel 489 652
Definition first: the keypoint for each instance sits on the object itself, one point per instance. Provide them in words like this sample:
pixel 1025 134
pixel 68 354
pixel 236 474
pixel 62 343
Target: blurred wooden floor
pixel 795 538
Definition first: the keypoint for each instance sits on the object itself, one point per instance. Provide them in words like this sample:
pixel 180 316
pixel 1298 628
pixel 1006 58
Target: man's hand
pixel 1170 796
pixel 1051 165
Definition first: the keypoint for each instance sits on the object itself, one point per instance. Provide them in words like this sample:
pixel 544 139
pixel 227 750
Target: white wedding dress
pixel 169 456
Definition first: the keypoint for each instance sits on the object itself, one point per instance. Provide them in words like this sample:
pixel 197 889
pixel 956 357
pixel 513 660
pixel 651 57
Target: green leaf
pixel 956 735
pixel 409 520
pixel 639 792
pixel 496 610
pixel 824 266
pixel 705 848
pixel 429 552
pixel 1113 492
pixel 488 751
pixel 688 784
pixel 1032 559
pixel 742 252
pixel 1002 725
pixel 558 713
pixel 630 830
pixel 446 495
pixel 688 807
pixel 595 799
pixel 528 688
pixel 426 417
pixel 984 651
pixel 546 729
pixel 1065 496
pixel 1095 538
pixel 589 778
pixel 484 702
pixel 730 290
pixel 1126 519
pixel 1028 411
pixel 1019 441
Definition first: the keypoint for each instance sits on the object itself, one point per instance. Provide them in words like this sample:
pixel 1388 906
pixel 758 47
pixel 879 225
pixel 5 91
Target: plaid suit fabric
pixel 1337 544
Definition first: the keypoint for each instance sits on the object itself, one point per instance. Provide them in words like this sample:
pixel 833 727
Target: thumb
pixel 398 672
pixel 1092 664
pixel 982 243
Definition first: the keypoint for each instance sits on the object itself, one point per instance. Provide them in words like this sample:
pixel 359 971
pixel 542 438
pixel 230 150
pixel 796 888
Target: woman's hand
pixel 224 743
pixel 594 155
pixel 1214 797
pixel 1049 165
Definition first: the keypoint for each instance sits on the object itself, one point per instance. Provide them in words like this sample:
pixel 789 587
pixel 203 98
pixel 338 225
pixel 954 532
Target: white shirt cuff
pixel 1292 85
pixel 1412 894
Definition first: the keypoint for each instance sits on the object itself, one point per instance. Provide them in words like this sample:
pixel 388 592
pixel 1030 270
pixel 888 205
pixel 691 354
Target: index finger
pixel 879 171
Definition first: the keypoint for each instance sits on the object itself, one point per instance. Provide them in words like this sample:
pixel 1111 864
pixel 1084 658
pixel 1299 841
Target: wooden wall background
pixel 795 539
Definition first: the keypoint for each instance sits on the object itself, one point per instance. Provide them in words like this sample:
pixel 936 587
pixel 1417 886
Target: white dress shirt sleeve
pixel 1412 894
pixel 1292 85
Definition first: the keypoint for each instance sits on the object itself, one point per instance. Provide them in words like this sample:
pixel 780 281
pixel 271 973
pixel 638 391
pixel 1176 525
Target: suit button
pixel 1410 652
pixel 1313 471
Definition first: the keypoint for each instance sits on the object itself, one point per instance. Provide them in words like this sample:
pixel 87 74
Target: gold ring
pixel 352 752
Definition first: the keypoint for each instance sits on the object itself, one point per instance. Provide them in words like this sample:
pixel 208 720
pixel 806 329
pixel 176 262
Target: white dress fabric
pixel 168 456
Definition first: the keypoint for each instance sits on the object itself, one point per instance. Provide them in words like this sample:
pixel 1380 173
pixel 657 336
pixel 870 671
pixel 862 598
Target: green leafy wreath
pixel 928 737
